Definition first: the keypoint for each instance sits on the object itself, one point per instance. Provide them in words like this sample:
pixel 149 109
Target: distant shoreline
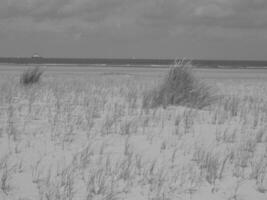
pixel 146 63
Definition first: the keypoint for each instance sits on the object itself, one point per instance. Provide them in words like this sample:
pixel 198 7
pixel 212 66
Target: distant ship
pixel 36 56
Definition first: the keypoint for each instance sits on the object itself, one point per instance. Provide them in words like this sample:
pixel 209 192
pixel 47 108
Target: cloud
pixel 58 9
pixel 144 17
pixel 244 14
pixel 222 13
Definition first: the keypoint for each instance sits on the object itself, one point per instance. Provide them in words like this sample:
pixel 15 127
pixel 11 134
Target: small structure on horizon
pixel 36 56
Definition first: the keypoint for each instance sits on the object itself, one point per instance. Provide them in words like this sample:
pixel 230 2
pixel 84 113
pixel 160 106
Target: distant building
pixel 36 56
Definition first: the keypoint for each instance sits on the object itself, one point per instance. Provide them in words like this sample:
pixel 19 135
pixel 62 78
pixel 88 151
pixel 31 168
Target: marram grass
pixel 179 87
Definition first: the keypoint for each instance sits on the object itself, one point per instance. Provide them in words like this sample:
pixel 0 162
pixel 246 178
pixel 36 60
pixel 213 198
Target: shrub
pixel 179 87
pixel 31 76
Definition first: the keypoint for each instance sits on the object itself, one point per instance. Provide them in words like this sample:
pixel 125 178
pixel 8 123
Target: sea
pixel 155 63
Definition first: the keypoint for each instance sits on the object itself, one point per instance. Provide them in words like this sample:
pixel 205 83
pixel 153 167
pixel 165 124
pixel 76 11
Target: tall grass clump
pixel 179 87
pixel 31 76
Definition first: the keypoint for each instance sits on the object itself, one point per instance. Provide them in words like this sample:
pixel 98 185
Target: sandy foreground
pixel 84 135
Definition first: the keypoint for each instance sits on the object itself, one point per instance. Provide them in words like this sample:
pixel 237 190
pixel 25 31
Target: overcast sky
pixel 205 29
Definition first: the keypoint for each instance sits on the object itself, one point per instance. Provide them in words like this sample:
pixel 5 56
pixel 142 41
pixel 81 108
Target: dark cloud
pixel 160 14
pixel 223 13
pixel 58 9
pixel 29 8
pixel 137 23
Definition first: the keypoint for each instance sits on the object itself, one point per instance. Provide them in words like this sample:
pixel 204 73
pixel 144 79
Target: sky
pixel 194 29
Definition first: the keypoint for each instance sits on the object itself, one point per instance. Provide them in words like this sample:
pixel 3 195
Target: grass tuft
pixel 31 76
pixel 179 87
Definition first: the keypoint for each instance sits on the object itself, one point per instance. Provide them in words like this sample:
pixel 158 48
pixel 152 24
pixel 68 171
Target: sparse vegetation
pixel 31 76
pixel 179 87
pixel 90 137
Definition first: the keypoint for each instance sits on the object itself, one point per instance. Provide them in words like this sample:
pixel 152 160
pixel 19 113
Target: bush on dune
pixel 179 87
pixel 31 76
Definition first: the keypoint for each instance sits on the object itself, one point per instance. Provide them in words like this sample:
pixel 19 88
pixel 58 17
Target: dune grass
pixel 31 76
pixel 179 87
pixel 89 137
